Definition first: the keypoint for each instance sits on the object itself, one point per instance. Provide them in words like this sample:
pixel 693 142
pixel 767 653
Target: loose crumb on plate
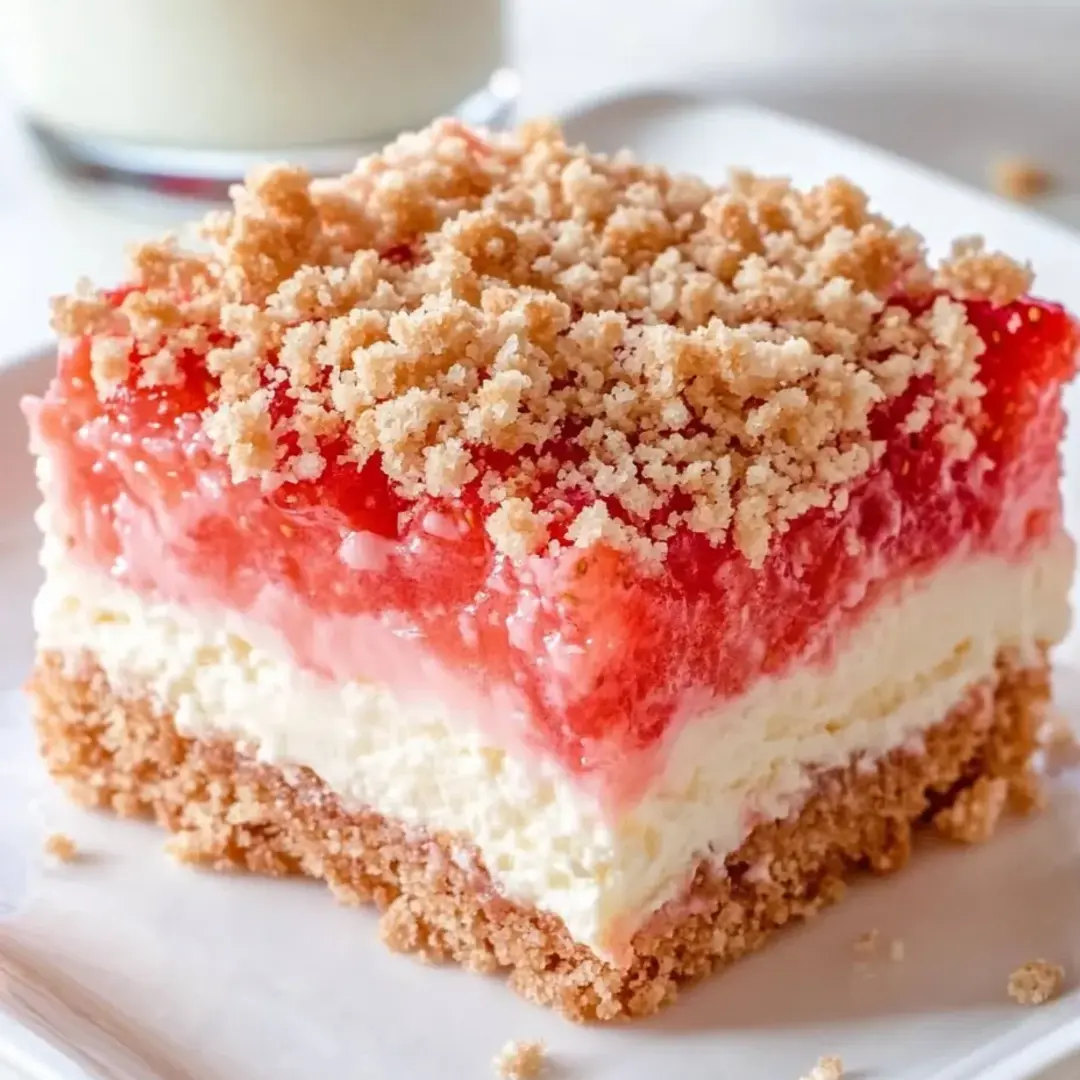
pixel 61 847
pixel 1020 178
pixel 520 1060
pixel 870 945
pixel 866 944
pixel 1057 731
pixel 1059 742
pixel 827 1068
pixel 1036 982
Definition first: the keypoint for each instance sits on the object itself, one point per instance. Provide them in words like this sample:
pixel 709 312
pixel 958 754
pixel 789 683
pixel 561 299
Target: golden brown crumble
pixel 973 815
pixel 1036 982
pixel 1020 178
pixel 827 1068
pixel 61 847
pixel 461 306
pixel 520 1061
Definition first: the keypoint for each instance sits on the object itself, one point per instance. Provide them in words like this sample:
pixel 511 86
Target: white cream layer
pixel 541 834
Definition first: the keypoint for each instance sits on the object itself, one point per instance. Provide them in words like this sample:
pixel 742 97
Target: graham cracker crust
pixel 227 810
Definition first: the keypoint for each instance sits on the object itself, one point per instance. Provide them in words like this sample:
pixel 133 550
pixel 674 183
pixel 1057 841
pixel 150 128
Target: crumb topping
pixel 520 1061
pixel 607 351
pixel 1036 982
pixel 61 847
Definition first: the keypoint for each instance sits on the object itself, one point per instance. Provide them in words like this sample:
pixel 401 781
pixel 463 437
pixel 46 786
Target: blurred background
pixel 194 91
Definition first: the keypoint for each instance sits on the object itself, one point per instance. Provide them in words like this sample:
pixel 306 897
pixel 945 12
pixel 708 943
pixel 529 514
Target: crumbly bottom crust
pixel 114 750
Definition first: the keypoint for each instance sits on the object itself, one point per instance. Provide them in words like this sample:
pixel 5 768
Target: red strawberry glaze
pixel 593 660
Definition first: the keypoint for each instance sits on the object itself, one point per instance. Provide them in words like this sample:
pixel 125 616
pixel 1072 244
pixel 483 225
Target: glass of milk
pixel 202 89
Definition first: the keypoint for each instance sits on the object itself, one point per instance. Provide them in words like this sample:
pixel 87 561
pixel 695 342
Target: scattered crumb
pixel 61 847
pixel 867 944
pixel 520 1061
pixel 461 303
pixel 827 1068
pixel 1057 731
pixel 1020 178
pixel 1036 982
pixel 1059 742
pixel 973 815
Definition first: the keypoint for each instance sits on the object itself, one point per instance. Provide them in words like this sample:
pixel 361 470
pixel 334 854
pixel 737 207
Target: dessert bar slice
pixel 590 566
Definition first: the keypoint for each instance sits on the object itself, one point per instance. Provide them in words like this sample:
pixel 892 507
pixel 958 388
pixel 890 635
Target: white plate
pixel 229 977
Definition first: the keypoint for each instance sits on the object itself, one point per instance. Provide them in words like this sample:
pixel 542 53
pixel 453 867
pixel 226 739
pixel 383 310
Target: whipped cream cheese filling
pixel 543 836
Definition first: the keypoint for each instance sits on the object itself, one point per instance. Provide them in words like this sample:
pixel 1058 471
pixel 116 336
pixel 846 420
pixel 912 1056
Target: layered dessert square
pixel 592 567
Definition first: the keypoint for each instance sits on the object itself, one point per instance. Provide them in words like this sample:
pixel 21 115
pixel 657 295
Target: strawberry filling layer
pixel 587 657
